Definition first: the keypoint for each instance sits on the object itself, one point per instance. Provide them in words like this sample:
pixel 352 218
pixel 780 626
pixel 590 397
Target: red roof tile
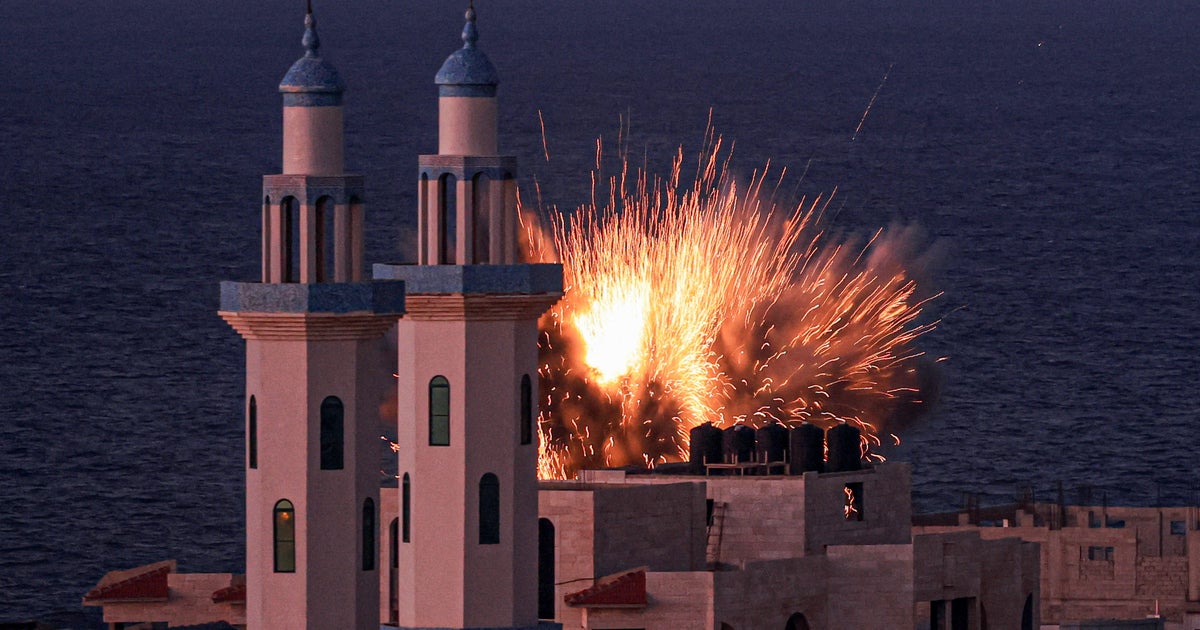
pixel 146 583
pixel 233 594
pixel 622 590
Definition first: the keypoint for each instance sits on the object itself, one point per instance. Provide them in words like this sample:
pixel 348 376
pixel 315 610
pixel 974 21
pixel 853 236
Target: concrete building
pixel 1099 562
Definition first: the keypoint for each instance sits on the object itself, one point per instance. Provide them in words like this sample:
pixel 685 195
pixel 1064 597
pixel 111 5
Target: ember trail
pixel 702 300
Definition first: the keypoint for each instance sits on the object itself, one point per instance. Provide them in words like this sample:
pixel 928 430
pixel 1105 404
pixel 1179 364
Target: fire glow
pixel 706 301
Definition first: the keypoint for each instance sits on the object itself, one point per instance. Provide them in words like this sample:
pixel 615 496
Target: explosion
pixel 707 301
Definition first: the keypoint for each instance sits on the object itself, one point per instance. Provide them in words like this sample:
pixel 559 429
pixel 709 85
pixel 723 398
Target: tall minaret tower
pixel 467 375
pixel 311 324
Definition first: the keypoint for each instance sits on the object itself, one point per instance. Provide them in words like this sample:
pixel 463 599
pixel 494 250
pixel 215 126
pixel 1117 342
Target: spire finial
pixel 311 41
pixel 469 34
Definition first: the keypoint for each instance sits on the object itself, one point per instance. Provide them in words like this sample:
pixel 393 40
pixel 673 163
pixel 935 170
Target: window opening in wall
pixel 439 411
pixel 545 569
pixel 481 219
pixel 1178 528
pixel 448 226
pixel 332 434
pixel 252 434
pixel 1093 520
pixel 526 410
pixel 285 537
pixel 368 535
pixel 290 217
pixel 1100 553
pixel 709 506
pixel 853 507
pixel 489 509
pixel 405 503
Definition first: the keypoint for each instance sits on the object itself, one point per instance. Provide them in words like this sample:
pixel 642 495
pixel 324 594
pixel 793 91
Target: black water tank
pixel 706 447
pixel 807 449
pixel 845 453
pixel 772 442
pixel 739 443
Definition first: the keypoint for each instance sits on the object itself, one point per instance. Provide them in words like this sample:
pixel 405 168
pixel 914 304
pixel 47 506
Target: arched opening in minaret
pixel 332 433
pixel 526 418
pixel 405 508
pixel 394 572
pixel 267 263
pixel 797 622
pixel 481 219
pixel 289 214
pixel 447 219
pixel 489 509
pixel 252 434
pixel 284 536
pixel 325 239
pixel 352 259
pixel 368 535
pixel 545 569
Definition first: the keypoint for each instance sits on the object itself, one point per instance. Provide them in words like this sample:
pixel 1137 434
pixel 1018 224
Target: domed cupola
pixel 312 81
pixel 468 72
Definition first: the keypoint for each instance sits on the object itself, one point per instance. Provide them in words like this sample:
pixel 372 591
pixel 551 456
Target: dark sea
pixel 1050 151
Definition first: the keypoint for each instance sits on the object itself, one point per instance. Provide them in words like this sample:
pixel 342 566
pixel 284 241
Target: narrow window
pixel 290 218
pixel 526 410
pixel 489 510
pixel 405 503
pixel 394 535
pixel 368 535
pixel 331 433
pixel 252 434
pixel 439 411
pixel 545 569
pixel 285 537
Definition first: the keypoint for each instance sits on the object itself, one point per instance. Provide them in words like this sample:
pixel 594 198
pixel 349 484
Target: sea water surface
pixel 1049 151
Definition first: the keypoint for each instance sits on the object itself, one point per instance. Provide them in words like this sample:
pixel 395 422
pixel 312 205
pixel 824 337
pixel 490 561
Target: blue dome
pixel 468 72
pixel 311 81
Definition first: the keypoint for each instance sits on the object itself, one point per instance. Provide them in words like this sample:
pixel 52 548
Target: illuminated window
pixel 368 535
pixel 526 410
pixel 252 434
pixel 489 510
pixel 439 411
pixel 405 503
pixel 285 537
pixel 853 504
pixel 331 433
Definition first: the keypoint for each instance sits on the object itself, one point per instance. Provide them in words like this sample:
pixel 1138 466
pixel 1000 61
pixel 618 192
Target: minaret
pixel 311 324
pixel 467 375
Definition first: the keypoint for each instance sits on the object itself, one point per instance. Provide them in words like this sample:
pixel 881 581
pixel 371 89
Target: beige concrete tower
pixel 312 330
pixel 467 376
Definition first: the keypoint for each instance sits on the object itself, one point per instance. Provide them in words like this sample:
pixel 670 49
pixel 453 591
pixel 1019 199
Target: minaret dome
pixel 467 85
pixel 312 111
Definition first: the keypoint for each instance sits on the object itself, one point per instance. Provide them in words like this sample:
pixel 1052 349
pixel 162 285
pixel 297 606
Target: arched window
pixel 252 434
pixel 368 535
pixel 405 508
pixel 439 411
pixel 289 210
pixel 448 221
pixel 332 435
pixel 797 622
pixel 1027 613
pixel 526 410
pixel 545 569
pixel 285 537
pixel 489 510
